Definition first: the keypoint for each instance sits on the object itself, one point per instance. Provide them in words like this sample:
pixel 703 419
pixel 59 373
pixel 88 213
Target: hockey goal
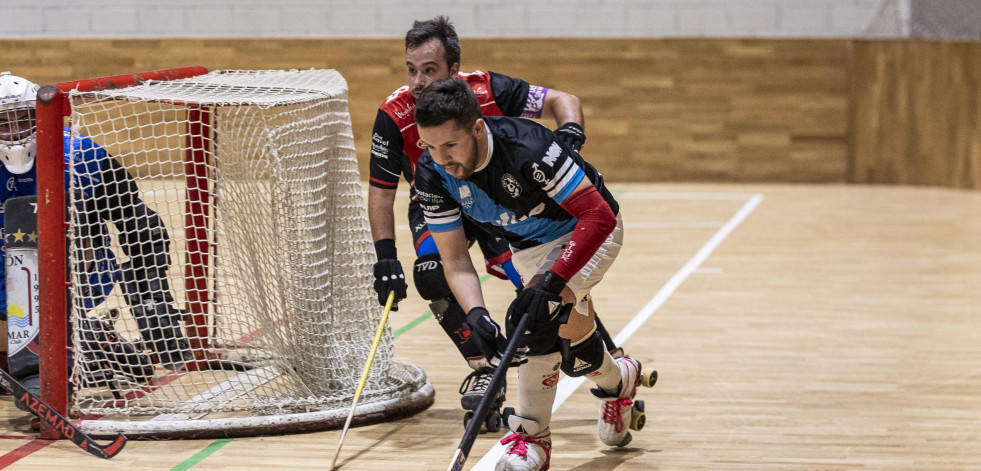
pixel 254 177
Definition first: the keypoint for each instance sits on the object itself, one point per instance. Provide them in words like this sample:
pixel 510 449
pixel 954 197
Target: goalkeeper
pixel 432 52
pixel 104 192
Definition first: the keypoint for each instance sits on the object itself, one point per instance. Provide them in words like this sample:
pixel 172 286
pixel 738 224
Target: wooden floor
pixel 793 326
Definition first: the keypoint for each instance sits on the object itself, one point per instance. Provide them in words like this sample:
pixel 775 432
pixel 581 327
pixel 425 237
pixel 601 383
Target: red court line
pixel 22 451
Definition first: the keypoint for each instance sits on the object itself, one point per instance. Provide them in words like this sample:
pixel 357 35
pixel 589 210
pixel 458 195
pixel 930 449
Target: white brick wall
pixel 378 18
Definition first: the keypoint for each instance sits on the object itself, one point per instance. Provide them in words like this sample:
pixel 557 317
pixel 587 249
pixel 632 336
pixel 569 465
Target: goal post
pixel 254 178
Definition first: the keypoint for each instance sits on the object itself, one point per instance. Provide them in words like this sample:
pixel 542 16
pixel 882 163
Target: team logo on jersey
pixel 552 154
pixel 405 112
pixel 11 184
pixel 511 185
pixel 466 199
pixel 537 173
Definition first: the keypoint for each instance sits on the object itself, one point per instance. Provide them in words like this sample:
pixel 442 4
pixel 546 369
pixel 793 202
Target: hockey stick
pixel 460 456
pixel 364 374
pixel 59 422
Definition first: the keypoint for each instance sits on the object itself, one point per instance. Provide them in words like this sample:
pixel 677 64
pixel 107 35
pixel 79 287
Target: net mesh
pixel 254 177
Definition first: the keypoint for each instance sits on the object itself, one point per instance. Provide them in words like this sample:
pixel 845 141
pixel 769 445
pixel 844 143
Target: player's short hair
pixel 447 99
pixel 439 28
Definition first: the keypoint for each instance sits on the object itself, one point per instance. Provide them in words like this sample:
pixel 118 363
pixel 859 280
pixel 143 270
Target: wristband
pixel 385 248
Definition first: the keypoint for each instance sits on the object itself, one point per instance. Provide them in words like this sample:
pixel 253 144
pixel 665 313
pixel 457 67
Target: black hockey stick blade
pixel 462 451
pixel 64 426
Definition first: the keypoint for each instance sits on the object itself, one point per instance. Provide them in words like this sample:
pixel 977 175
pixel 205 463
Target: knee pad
pixel 542 337
pixel 583 358
pixel 429 279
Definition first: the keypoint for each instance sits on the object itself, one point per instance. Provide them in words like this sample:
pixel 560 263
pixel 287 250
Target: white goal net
pixel 241 294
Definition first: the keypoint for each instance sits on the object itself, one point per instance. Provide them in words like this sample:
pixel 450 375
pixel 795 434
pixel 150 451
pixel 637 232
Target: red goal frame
pixel 53 108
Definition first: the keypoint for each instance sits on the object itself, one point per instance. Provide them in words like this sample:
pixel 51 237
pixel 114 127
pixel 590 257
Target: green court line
pixel 422 318
pixel 217 444
pixel 201 455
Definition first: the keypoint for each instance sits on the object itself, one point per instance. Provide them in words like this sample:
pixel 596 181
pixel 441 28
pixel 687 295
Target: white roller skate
pixel 529 447
pixel 618 412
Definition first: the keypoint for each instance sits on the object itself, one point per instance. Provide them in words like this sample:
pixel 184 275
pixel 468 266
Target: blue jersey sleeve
pixel 441 210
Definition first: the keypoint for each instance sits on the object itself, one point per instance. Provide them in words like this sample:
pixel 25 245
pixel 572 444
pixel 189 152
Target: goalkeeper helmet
pixel 17 126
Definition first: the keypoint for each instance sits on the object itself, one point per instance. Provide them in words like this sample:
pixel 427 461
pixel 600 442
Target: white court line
pixel 568 385
pixel 684 196
pixel 228 390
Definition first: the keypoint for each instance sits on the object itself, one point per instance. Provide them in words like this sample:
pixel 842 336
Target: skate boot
pixel 619 411
pixel 101 344
pixel 472 391
pixel 528 446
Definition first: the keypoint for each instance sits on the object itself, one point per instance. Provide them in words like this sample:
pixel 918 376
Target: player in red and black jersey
pixel 432 52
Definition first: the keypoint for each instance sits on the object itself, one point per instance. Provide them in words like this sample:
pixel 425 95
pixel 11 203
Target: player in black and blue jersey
pixel 565 231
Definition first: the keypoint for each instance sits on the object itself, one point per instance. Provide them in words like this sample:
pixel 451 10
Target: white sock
pixel 536 387
pixel 607 377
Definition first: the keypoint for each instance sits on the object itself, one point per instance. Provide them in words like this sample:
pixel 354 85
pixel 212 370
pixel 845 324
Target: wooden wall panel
pixel 656 110
pixel 917 113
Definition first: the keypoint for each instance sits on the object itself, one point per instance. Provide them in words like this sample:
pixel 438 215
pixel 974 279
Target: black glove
pixel 572 135
pixel 544 302
pixel 485 332
pixel 388 273
pixel 389 277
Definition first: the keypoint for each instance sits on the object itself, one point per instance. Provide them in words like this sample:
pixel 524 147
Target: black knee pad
pixel 428 276
pixel 542 337
pixel 584 358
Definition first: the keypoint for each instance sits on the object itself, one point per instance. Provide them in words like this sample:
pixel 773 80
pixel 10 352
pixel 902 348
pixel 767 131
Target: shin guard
pixel 536 387
pixel 451 318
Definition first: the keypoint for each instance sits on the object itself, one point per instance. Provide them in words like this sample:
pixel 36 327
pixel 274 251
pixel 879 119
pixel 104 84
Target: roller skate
pixel 107 353
pixel 620 411
pixel 473 389
pixel 529 446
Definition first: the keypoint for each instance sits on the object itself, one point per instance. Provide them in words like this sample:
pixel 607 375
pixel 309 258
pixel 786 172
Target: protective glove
pixel 543 301
pixel 390 277
pixel 485 332
pixel 572 135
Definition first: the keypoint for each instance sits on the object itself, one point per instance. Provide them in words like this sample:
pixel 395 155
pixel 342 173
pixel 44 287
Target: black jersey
pixel 520 188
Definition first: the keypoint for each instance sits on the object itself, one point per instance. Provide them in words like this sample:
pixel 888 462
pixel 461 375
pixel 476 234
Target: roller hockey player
pixel 432 51
pixel 565 232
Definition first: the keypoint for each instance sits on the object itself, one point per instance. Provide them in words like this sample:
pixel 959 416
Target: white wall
pixel 473 19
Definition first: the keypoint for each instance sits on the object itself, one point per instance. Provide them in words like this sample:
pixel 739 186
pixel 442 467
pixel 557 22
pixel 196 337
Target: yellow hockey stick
pixel 364 374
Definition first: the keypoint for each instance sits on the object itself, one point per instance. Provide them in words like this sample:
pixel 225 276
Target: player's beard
pixel 468 167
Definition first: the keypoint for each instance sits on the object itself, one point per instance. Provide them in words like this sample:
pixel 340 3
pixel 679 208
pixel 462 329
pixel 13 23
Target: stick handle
pixel 364 375
pixel 462 451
